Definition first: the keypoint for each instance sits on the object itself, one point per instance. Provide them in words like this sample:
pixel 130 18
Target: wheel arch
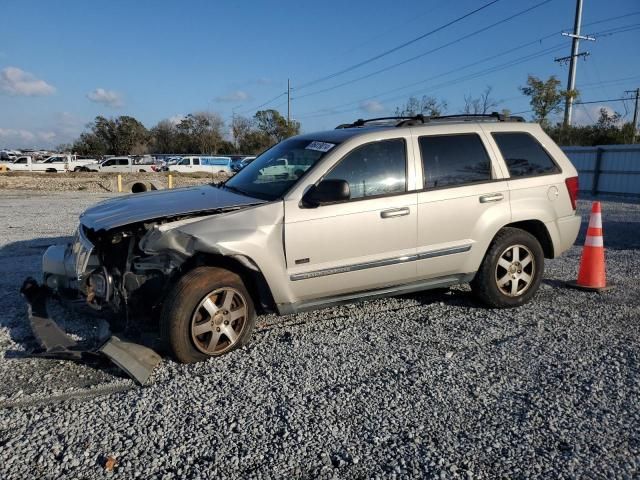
pixel 242 266
pixel 539 230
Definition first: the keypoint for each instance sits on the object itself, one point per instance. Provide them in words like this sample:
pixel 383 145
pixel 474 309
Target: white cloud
pixel 263 81
pixel 106 97
pixel 176 119
pixel 371 106
pixel 17 138
pixel 235 96
pixel 589 114
pixel 14 81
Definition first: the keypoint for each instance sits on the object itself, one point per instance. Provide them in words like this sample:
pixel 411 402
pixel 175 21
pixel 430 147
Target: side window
pixel 523 154
pixel 108 163
pixel 378 168
pixel 451 160
pixel 21 160
pixel 123 161
pixel 196 161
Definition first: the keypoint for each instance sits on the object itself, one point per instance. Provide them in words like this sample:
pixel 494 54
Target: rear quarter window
pixel 524 155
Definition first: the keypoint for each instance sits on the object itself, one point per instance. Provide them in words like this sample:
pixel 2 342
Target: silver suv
pixel 374 208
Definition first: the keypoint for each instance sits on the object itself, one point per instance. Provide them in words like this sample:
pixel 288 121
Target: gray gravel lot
pixel 428 385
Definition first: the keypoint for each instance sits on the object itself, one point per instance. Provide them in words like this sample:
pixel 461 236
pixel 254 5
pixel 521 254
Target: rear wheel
pixel 511 271
pixel 208 313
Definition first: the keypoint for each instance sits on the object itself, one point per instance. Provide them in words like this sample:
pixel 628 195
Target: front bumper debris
pixel 134 359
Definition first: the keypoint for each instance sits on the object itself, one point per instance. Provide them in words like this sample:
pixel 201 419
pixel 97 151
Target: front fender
pixel 255 233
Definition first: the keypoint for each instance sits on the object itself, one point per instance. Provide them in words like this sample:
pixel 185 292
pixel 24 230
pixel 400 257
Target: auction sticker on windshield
pixel 320 146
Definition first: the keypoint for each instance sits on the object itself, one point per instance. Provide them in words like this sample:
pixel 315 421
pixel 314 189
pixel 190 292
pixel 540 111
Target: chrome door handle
pixel 494 197
pixel 395 212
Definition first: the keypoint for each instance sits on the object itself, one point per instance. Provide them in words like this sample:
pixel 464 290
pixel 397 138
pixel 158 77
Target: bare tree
pixel 482 105
pixel 241 127
pixel 426 105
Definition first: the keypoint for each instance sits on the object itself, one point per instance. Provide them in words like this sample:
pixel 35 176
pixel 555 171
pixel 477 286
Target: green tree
pixel 275 126
pixel 545 97
pixel 163 137
pixel 200 132
pixel 609 129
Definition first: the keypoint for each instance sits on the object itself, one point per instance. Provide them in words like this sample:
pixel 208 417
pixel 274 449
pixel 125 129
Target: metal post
pixel 571 83
pixel 288 102
pixel 596 171
pixel 635 115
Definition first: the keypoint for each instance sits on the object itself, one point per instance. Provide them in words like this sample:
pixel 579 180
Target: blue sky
pixel 64 62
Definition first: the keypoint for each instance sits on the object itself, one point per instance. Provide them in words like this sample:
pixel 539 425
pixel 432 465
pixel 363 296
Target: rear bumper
pixel 564 232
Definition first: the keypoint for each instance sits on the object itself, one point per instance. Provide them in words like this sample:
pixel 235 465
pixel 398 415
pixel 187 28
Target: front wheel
pixel 208 313
pixel 511 271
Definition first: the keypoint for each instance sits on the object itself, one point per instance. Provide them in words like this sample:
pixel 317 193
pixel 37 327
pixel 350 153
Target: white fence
pixel 607 169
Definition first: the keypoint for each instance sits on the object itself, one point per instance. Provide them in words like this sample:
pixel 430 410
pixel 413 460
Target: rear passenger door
pixel 463 202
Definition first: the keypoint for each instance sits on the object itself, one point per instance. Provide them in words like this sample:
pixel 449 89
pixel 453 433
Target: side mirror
pixel 327 191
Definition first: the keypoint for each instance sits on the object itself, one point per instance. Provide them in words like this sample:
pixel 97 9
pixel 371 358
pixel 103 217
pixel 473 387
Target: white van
pixel 199 163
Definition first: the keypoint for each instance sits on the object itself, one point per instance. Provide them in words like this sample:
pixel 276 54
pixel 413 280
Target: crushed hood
pixel 141 207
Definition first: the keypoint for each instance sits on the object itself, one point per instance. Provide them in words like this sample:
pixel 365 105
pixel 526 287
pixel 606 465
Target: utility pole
pixel 573 60
pixel 635 115
pixel 288 101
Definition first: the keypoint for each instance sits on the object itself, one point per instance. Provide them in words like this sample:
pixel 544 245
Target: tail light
pixel 572 187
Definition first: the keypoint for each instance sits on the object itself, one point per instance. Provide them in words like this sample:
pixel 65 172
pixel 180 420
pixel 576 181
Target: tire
pixel 187 309
pixel 504 281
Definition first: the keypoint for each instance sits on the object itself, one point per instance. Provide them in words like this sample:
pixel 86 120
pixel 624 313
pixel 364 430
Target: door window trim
pixel 459 185
pixel 372 197
pixel 524 177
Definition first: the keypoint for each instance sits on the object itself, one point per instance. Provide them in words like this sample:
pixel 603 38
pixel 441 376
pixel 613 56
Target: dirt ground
pixel 100 182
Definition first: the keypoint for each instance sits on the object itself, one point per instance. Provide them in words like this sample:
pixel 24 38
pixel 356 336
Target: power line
pixel 332 111
pixel 604 33
pixel 464 67
pixel 603 101
pixel 421 55
pixel 398 47
pixel 263 104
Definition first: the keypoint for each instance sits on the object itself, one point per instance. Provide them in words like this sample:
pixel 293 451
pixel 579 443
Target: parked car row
pixel 130 164
pixel 53 164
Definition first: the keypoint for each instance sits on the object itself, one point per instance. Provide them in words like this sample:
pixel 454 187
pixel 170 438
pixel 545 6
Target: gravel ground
pixel 428 385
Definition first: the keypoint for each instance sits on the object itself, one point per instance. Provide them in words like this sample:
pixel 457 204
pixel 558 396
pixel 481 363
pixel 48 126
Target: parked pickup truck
pixel 121 165
pixel 202 164
pixel 53 164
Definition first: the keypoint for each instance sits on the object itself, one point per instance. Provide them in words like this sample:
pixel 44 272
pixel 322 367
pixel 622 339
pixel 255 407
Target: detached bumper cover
pixel 136 360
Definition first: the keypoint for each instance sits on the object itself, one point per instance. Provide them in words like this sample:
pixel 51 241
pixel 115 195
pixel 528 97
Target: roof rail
pixel 406 121
pixel 361 122
pixel 500 117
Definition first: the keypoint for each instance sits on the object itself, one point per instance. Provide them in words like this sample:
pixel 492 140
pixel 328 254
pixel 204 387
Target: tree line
pixel 200 132
pixel 207 133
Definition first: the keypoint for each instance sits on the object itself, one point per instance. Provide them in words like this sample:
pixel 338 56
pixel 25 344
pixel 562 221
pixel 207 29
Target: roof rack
pixel 422 119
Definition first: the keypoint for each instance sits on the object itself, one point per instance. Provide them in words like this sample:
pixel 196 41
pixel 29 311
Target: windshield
pixel 275 171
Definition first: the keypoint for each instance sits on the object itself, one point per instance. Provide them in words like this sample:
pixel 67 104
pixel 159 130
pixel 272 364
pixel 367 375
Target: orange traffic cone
pixel 592 275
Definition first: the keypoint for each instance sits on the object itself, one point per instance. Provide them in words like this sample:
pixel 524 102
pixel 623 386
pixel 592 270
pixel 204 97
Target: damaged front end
pixel 124 257
pixel 136 360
